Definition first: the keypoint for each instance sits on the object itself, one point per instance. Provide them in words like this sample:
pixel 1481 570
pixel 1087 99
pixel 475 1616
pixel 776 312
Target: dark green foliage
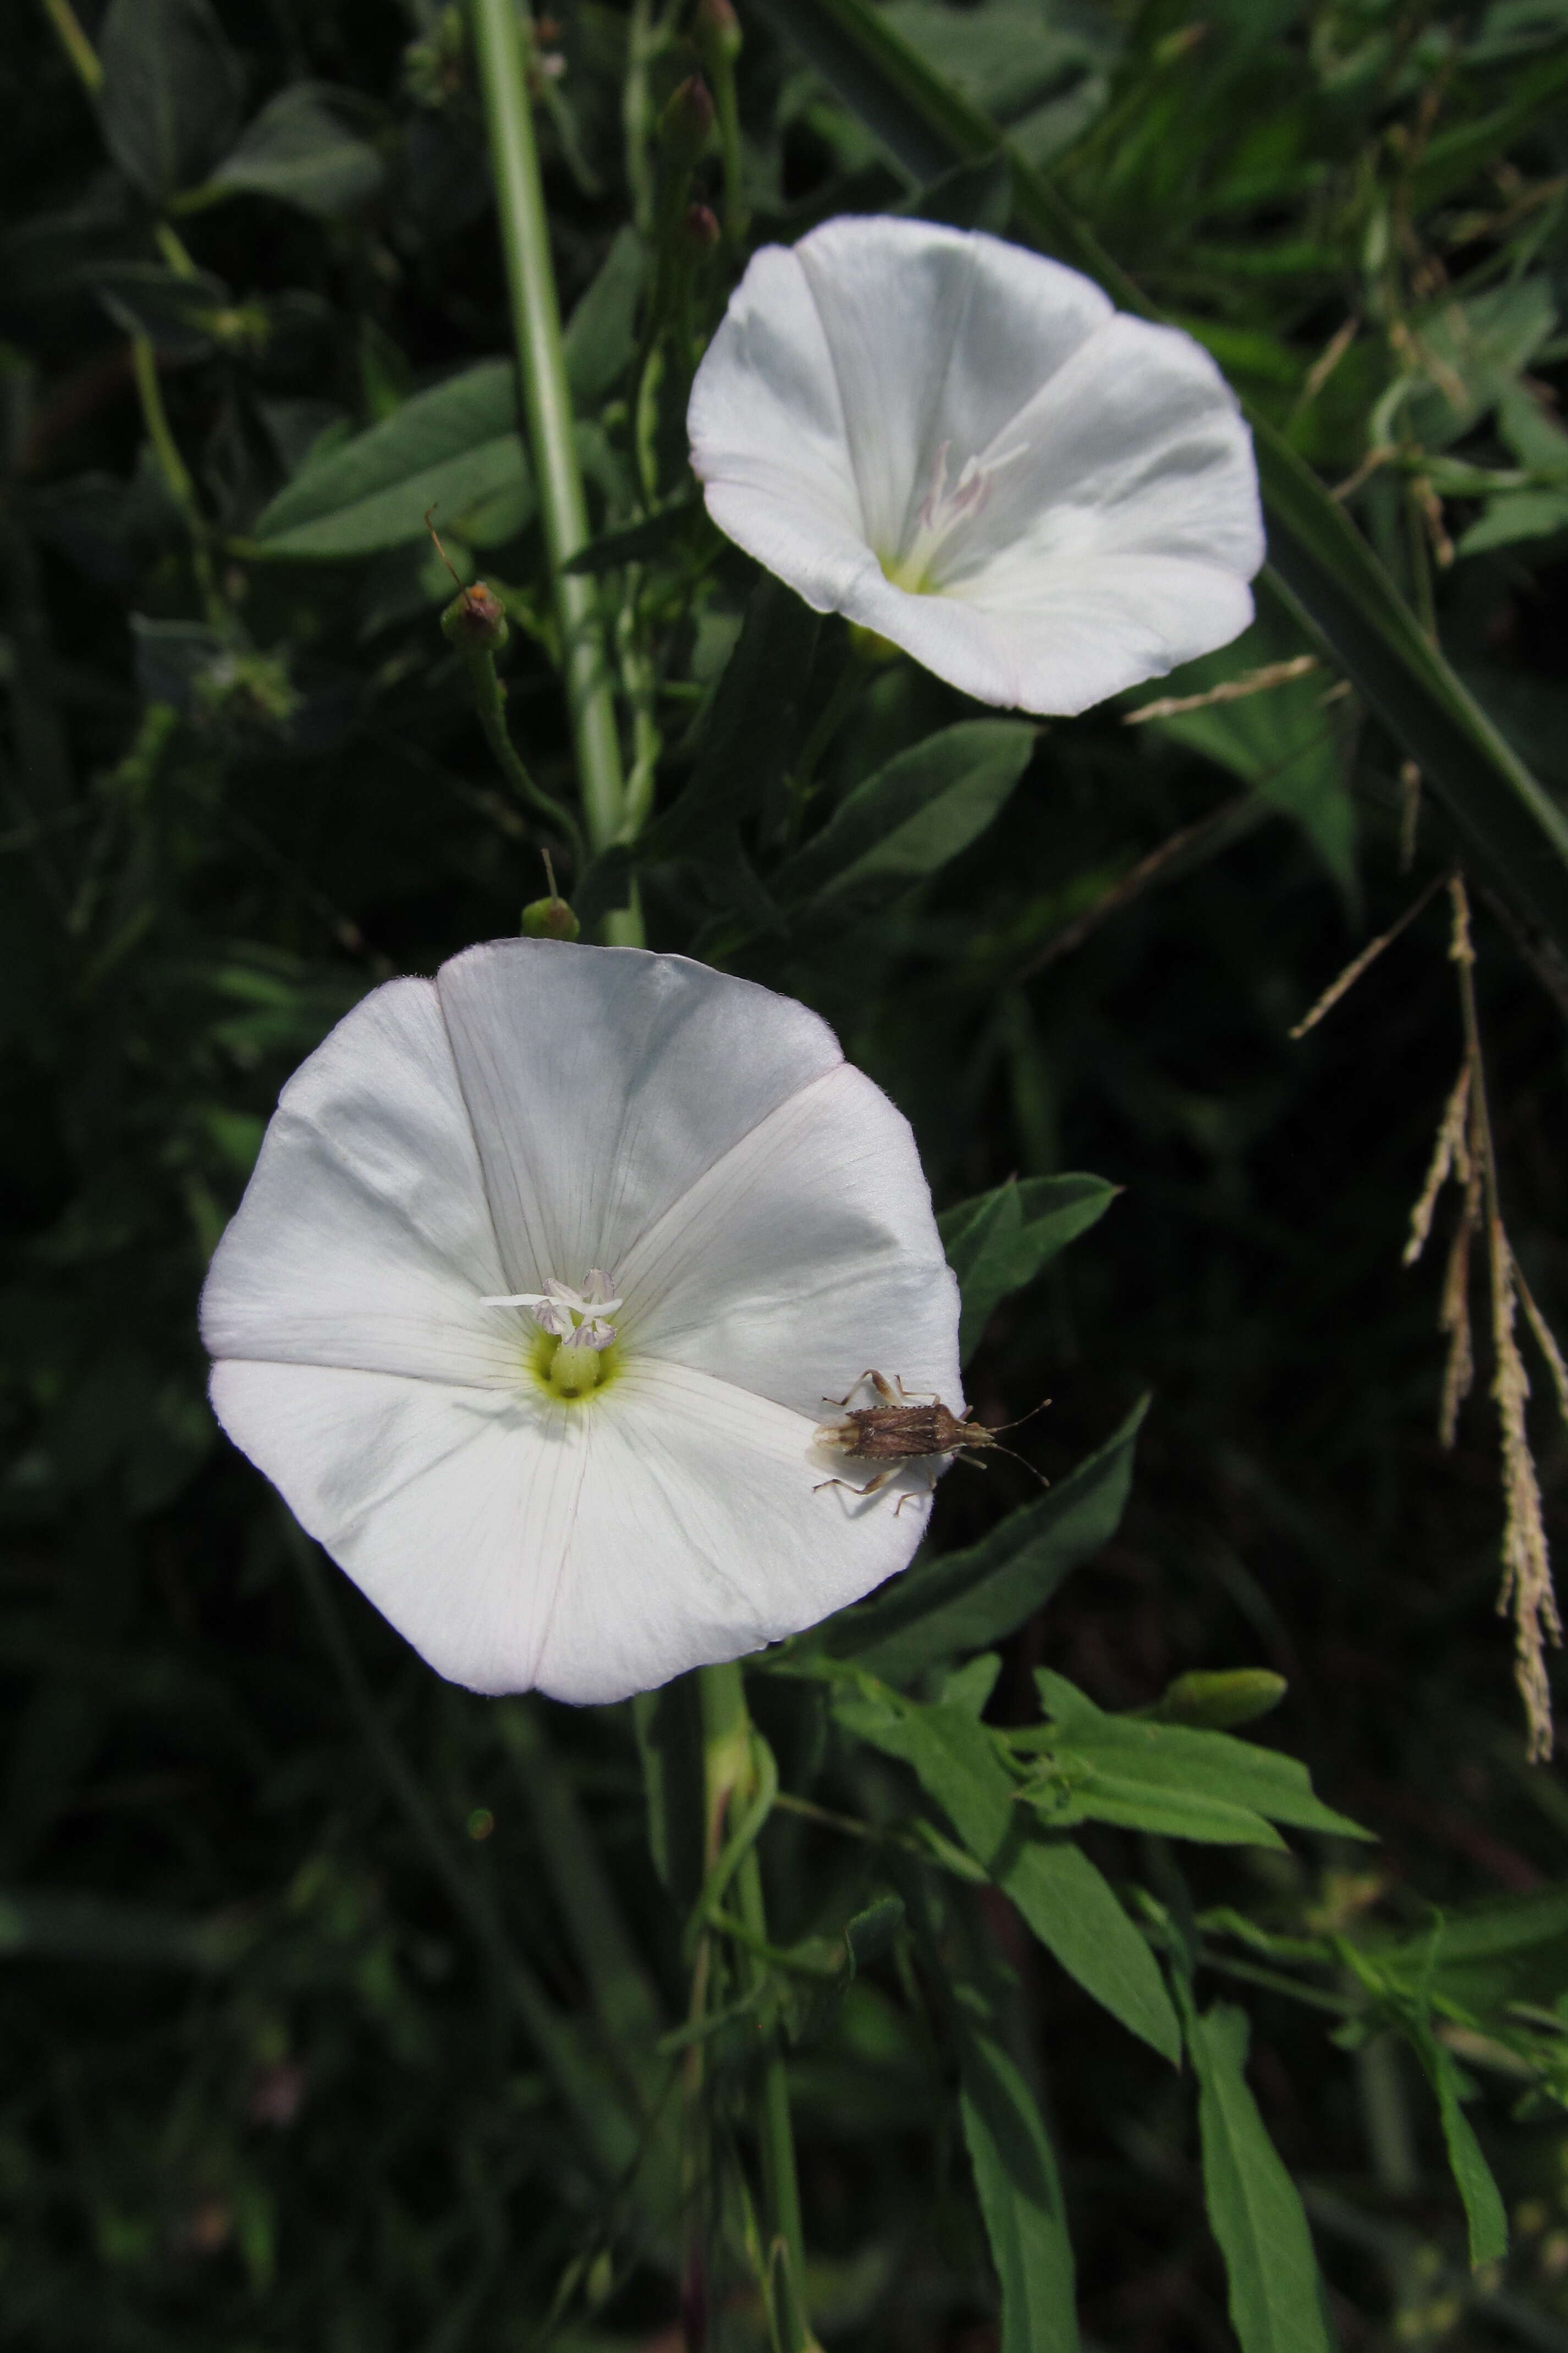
pixel 348 2011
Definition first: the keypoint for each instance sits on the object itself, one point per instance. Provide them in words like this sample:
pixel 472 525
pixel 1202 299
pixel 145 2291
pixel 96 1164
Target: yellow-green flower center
pixel 570 1374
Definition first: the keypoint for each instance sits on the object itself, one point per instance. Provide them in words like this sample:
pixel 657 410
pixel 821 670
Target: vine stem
pixel 729 1780
pixel 547 406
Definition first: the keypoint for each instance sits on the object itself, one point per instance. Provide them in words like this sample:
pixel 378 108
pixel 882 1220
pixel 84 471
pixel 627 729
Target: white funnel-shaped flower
pixel 965 448
pixel 533 1299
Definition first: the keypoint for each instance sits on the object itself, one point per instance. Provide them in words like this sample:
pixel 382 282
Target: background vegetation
pixel 300 1946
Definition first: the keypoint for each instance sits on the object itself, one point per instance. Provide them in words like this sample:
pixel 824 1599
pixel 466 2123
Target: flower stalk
pixel 731 1788
pixel 547 406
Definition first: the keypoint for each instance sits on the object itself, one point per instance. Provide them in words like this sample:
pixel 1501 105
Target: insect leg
pixel 872 1487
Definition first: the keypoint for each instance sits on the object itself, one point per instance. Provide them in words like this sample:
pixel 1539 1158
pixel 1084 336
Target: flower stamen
pixel 939 514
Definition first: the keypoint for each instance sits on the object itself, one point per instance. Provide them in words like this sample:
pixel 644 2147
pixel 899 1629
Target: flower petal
pixel 364 1239
pixel 600 1083
pixel 1092 626
pixel 804 1257
pixel 1121 522
pixel 590 1550
pixel 703 1530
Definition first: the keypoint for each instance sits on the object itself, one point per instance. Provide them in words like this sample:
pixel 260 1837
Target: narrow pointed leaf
pixel 1000 1240
pixel 1020 2193
pixel 1253 2208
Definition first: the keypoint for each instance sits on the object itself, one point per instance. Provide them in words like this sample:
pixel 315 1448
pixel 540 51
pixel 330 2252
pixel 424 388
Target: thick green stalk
pixel 547 406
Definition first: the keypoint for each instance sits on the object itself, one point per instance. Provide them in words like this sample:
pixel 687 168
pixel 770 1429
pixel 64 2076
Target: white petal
pixel 364 1238
pixel 600 1083
pixel 700 1534
pixel 1091 626
pixel 1136 447
pixel 938 336
pixel 1116 546
pixel 592 1550
pixel 805 1256
pixel 450 1508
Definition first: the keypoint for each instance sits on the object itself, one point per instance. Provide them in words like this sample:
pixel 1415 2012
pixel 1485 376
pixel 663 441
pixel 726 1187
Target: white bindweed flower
pixel 967 449
pixel 533 1299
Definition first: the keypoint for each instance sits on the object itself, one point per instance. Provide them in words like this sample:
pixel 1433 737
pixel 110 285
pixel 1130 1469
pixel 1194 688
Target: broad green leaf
pixel 908 820
pixel 1514 515
pixel 1019 2189
pixel 601 334
pixel 634 543
pixel 1174 1758
pixel 1064 1899
pixel 170 96
pixel 1254 2209
pixel 304 149
pixel 453 447
pixel 1511 830
pixel 1472 351
pixel 942 1609
pixel 1282 742
pixel 998 1242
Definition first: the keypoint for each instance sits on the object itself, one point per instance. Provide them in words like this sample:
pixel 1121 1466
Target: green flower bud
pixel 476 620
pixel 702 228
pixel 686 123
pixel 549 919
pixel 1217 1700
pixel 716 32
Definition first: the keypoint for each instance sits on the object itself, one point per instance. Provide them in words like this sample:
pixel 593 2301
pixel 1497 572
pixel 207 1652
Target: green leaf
pixel 304 148
pixel 453 448
pixel 1511 830
pixel 1082 1787
pixel 998 1242
pixel 942 1608
pixel 914 815
pixel 1514 515
pixel 637 542
pixel 1019 2189
pixel 1485 2214
pixel 1064 1899
pixel 601 334
pixel 176 312
pixel 169 100
pixel 1512 1948
pixel 1455 156
pixel 54 1927
pixel 1253 2210
pixel 1173 1757
pixel 752 727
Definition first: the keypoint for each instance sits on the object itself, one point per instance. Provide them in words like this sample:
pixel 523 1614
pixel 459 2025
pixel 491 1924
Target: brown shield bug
pixel 903 1427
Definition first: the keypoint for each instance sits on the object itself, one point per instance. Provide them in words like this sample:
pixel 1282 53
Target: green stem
pixel 728 1773
pixel 490 701
pixel 76 44
pixel 547 405
pixel 176 475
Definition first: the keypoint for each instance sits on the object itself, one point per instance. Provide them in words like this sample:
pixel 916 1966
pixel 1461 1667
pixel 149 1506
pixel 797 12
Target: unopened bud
pixel 718 32
pixel 1217 1700
pixel 549 919
pixel 476 620
pixel 703 226
pixel 685 123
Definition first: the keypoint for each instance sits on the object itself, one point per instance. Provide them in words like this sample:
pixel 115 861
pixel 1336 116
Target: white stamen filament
pixel 578 1319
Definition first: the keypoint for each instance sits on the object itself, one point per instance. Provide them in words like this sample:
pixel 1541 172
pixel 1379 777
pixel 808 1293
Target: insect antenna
pixel 1014 1456
pixel 1023 1418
